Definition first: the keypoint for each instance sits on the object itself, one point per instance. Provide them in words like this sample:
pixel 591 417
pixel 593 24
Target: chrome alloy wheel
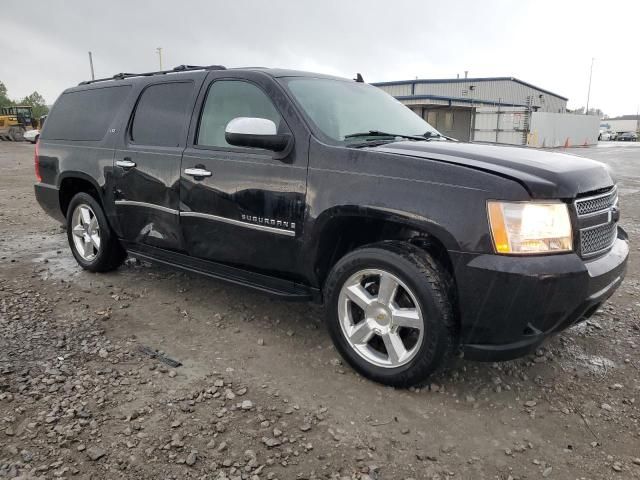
pixel 380 318
pixel 86 232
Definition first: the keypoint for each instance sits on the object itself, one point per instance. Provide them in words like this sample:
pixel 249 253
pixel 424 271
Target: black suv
pixel 319 188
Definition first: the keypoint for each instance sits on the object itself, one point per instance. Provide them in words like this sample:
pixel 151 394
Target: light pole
pixel 159 50
pixel 93 77
pixel 589 90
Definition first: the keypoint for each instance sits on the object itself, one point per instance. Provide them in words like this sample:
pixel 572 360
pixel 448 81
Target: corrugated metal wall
pixel 621 126
pixel 400 90
pixel 483 92
pixel 549 126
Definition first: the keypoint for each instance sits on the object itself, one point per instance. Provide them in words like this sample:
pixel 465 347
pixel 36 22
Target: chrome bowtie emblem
pixel 614 214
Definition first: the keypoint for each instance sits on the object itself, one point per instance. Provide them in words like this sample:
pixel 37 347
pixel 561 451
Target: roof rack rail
pixel 179 68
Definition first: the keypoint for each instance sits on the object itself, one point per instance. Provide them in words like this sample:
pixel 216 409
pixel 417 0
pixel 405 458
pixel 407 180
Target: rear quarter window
pixel 84 115
pixel 161 114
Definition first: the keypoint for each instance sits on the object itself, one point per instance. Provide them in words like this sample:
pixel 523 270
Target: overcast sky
pixel 547 43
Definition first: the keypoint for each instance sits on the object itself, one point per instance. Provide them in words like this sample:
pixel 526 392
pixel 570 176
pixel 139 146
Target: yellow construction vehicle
pixel 14 122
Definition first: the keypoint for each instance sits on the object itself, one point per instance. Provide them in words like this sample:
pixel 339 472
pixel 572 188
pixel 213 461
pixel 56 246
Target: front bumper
pixel 509 305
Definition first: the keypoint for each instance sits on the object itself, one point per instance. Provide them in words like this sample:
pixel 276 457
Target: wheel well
pixel 345 234
pixel 71 186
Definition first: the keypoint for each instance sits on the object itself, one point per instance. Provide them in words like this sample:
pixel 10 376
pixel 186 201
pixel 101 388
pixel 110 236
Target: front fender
pixel 342 228
pixel 407 220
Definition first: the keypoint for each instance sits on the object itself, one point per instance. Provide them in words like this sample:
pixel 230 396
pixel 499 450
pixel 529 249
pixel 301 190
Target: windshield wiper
pixel 377 133
pixel 429 135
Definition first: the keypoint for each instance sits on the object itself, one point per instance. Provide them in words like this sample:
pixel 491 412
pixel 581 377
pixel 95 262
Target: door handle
pixel 197 172
pixel 125 163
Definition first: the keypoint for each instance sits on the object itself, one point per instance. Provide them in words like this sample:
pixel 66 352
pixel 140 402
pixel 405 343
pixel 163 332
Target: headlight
pixel 522 228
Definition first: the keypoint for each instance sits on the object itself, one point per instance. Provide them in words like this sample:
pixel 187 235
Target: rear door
pixel 249 212
pixel 147 163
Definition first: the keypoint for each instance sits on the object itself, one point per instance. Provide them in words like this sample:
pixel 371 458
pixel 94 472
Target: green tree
pixel 4 99
pixel 37 103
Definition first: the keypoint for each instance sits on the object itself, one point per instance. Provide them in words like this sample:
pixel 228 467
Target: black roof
pixel 274 72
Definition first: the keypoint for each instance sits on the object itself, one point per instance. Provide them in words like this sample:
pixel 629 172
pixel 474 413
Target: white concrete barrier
pixel 562 130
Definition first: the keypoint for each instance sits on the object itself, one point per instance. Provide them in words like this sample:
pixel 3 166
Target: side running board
pixel 272 285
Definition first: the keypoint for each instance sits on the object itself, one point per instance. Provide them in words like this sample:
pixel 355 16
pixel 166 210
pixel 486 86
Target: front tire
pixel 16 134
pixel 389 311
pixel 93 243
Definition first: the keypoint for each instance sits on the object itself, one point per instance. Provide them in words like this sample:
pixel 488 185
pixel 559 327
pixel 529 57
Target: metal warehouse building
pixel 625 123
pixel 493 109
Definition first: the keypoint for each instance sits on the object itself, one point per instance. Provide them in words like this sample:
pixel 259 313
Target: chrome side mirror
pixel 256 133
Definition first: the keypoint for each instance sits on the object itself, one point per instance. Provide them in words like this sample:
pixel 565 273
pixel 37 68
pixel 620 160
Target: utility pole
pixel 159 50
pixel 589 90
pixel 93 76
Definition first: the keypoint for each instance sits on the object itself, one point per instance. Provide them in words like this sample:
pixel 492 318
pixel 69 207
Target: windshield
pixel 339 108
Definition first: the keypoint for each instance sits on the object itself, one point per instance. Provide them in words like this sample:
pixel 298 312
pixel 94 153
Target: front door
pixel 147 165
pixel 242 206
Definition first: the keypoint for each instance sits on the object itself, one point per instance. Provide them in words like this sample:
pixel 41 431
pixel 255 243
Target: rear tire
pixel 389 311
pixel 91 239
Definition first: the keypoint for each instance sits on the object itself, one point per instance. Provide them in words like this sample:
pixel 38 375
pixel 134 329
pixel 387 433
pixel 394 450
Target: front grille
pixel 599 203
pixel 596 239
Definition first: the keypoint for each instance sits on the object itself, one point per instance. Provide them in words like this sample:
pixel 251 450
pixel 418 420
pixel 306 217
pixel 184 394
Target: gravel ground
pixel 262 394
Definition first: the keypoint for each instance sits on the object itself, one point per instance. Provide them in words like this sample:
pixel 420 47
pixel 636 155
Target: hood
pixel 544 174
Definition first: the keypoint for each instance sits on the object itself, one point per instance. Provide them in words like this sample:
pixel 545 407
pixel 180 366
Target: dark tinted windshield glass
pixel 84 115
pixel 339 108
pixel 161 114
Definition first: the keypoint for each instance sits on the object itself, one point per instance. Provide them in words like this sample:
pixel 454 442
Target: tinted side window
pixel 229 99
pixel 161 114
pixel 84 115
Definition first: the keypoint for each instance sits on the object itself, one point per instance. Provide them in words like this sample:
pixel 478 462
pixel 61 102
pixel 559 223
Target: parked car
pixel 628 137
pixel 317 188
pixel 32 135
pixel 604 136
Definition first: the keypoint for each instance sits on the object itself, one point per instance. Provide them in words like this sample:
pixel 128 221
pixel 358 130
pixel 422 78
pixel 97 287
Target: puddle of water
pixel 63 266
pixel 576 357
pixel 38 248
pixel 49 252
pixel 58 266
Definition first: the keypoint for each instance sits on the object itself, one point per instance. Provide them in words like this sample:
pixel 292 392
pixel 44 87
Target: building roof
pixel 475 102
pixel 467 80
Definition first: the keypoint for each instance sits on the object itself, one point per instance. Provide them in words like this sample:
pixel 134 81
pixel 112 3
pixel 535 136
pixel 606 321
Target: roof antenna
pixel 359 78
